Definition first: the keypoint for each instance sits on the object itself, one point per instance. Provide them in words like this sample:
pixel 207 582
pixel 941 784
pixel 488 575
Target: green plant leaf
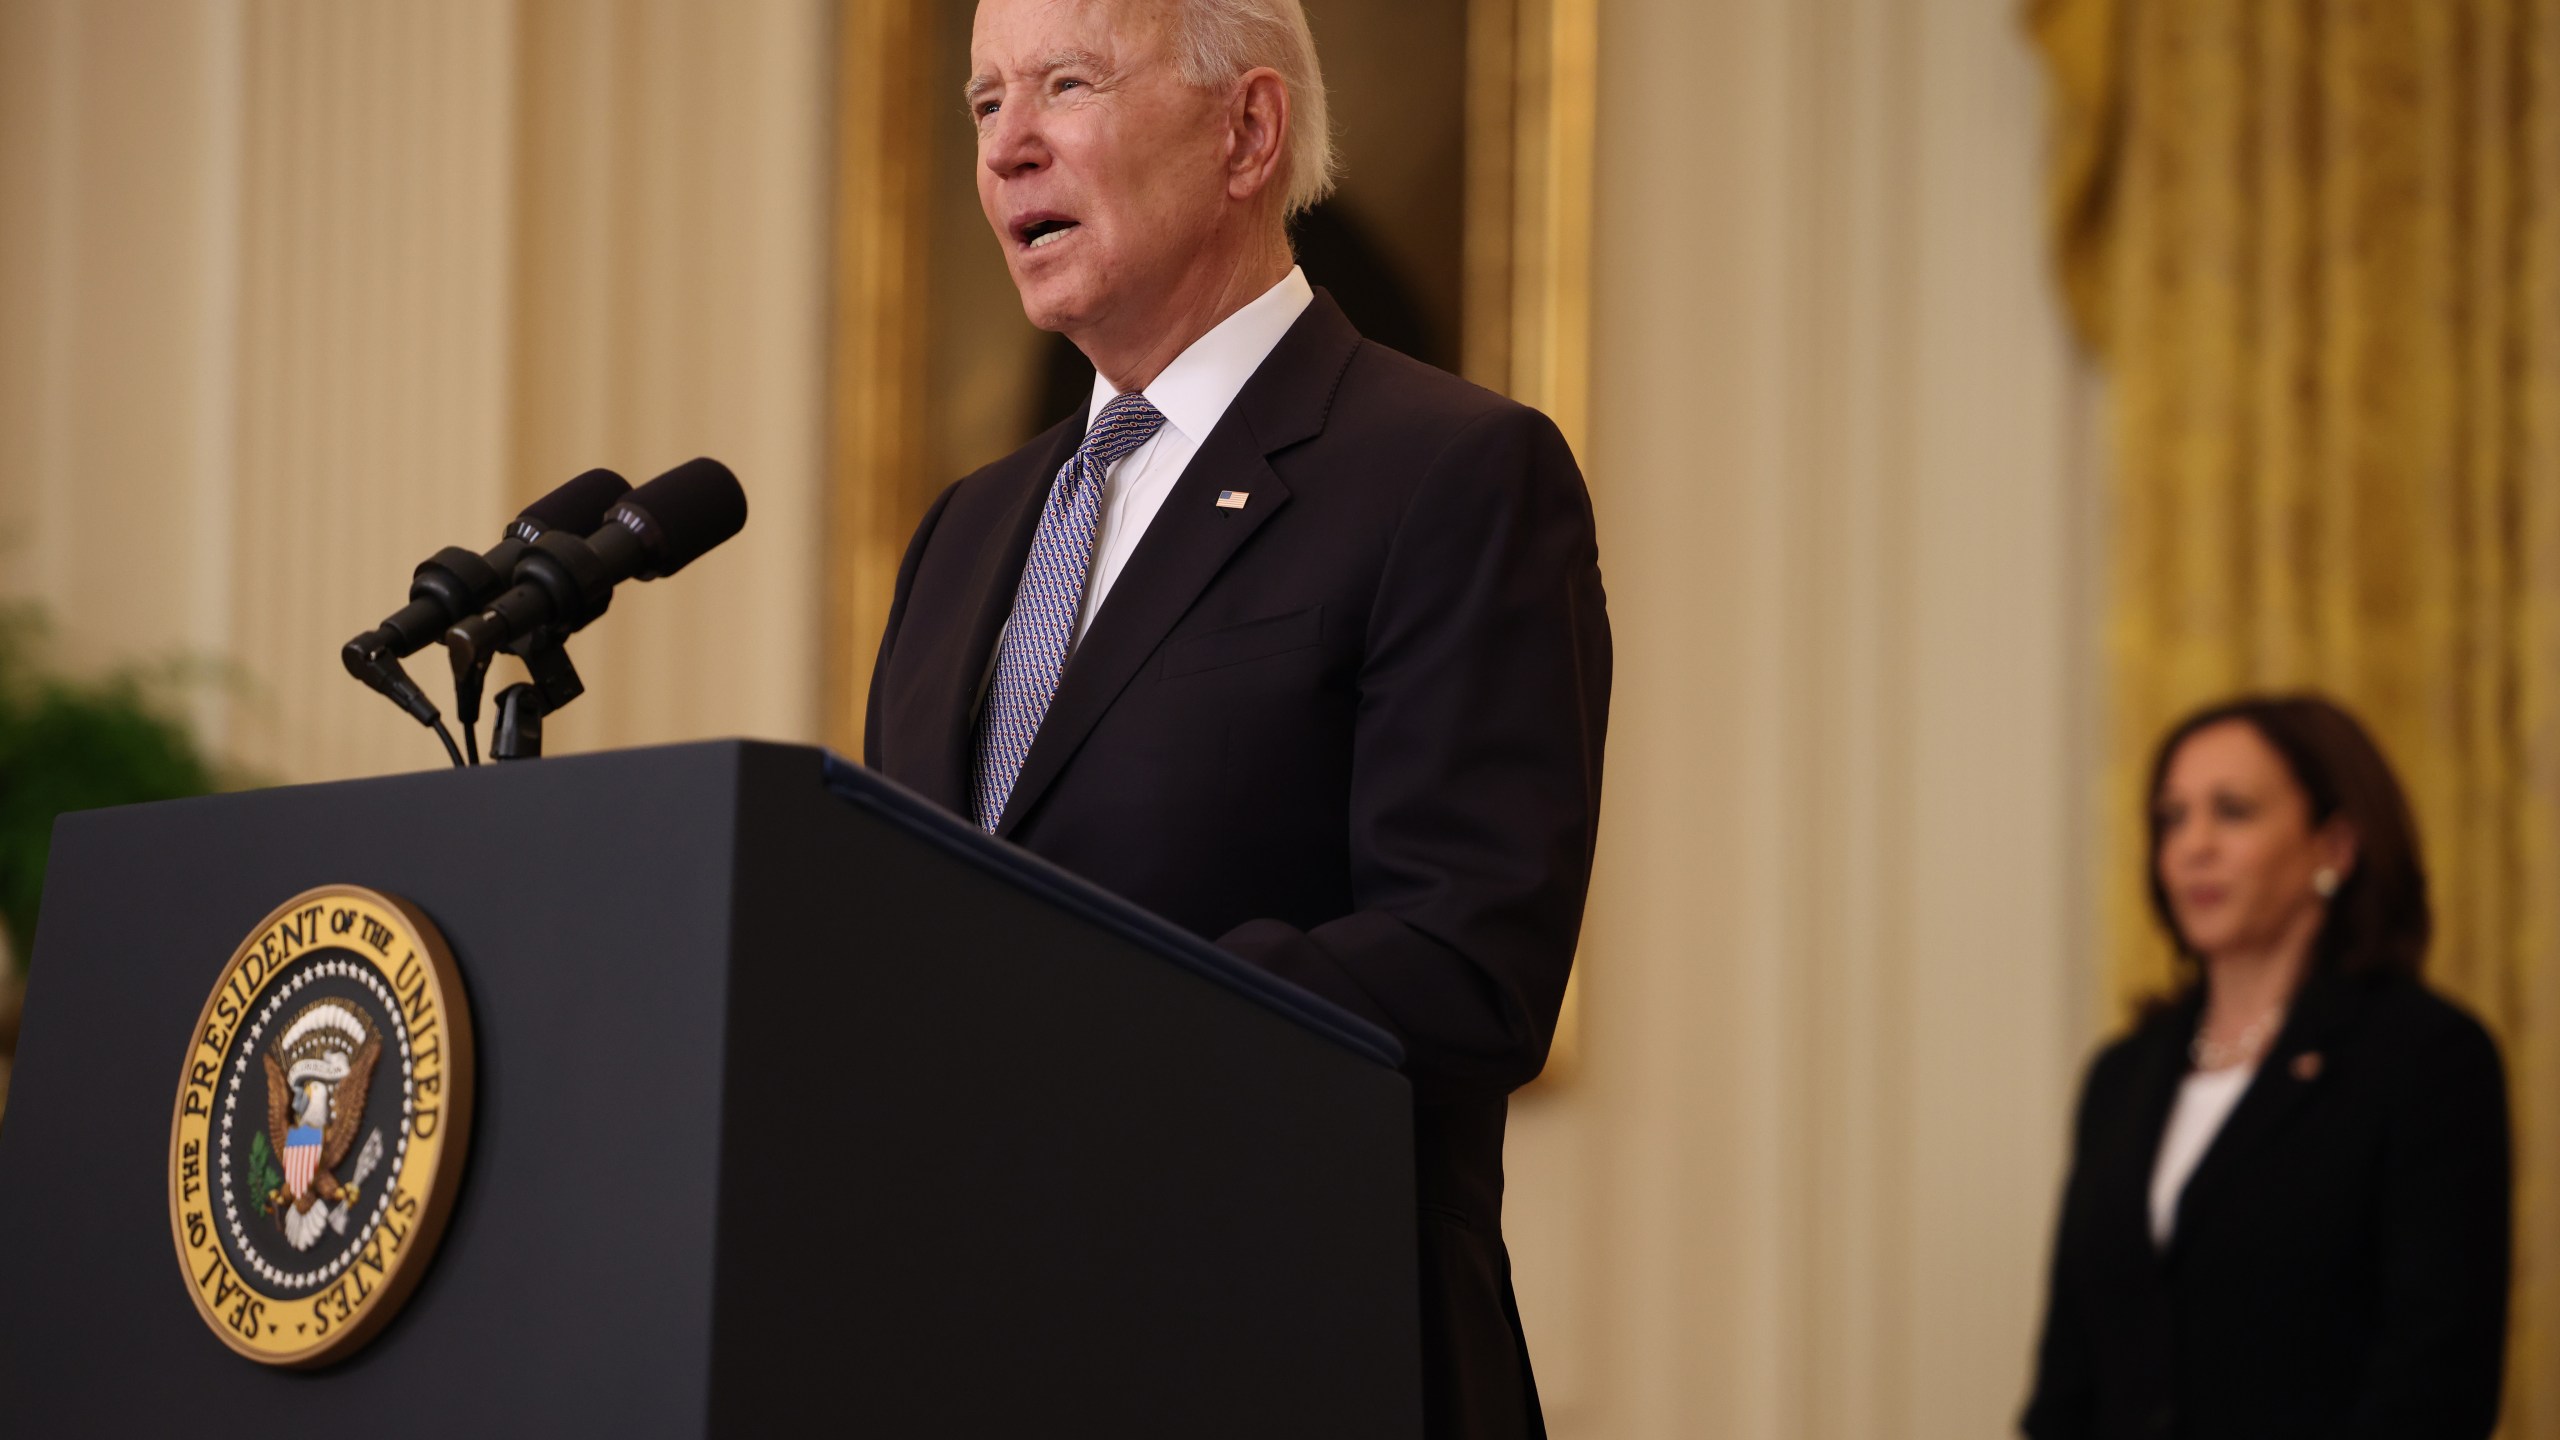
pixel 74 745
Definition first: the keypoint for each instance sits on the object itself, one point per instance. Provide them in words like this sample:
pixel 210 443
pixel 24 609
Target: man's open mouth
pixel 1042 232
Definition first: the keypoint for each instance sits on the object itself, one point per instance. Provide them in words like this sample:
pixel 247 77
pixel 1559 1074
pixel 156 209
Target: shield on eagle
pixel 317 1076
pixel 301 1157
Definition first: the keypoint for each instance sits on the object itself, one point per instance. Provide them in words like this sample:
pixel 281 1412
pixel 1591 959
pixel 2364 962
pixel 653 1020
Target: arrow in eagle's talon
pixel 366 1159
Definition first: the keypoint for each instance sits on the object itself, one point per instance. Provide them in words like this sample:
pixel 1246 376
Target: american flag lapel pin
pixel 1233 499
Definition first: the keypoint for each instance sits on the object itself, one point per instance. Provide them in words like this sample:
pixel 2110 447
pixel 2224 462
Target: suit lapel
pixel 952 693
pixel 1191 538
pixel 2161 1067
pixel 2280 1087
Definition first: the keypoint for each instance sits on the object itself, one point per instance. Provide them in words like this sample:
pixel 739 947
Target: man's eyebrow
pixel 1070 60
pixel 985 80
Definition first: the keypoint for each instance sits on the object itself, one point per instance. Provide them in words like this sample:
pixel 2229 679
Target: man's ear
pixel 1257 128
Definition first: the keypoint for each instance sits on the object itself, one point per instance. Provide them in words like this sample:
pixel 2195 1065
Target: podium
pixel 800 1106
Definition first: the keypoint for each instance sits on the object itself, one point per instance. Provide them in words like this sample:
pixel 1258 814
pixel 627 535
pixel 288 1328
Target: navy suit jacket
pixel 1351 732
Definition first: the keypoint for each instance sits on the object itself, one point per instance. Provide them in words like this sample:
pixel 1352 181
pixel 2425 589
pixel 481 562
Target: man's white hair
pixel 1218 40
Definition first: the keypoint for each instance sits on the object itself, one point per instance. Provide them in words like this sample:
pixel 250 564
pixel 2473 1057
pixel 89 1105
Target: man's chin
pixel 1047 309
pixel 1057 297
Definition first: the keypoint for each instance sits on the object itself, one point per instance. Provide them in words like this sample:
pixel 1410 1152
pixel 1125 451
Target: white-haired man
pixel 1291 639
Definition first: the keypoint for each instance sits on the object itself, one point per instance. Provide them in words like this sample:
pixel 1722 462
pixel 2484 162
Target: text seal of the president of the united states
pixel 322 1115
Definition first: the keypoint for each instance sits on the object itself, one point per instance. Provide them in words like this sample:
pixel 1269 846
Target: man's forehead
pixel 1029 37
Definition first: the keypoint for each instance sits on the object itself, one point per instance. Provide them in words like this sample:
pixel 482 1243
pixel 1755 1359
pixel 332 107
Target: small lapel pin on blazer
pixel 2306 1066
pixel 1233 499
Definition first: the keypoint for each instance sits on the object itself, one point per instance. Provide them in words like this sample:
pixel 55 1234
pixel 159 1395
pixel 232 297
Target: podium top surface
pixel 936 826
pixel 929 823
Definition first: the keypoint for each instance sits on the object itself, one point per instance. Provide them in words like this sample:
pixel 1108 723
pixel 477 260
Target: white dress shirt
pixel 1192 393
pixel 2205 1101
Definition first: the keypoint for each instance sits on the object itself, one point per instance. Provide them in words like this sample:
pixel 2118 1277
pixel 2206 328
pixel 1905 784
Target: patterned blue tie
pixel 1034 647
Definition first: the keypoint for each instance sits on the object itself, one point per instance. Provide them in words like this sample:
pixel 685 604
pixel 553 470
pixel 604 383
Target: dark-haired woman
pixel 2288 1205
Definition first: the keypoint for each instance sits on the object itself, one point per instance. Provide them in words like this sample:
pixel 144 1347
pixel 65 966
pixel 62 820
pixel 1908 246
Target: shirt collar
pixel 1196 389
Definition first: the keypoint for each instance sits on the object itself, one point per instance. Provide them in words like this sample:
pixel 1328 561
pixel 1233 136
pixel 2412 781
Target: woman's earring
pixel 2324 883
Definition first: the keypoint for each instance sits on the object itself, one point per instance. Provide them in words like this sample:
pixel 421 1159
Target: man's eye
pixel 984 108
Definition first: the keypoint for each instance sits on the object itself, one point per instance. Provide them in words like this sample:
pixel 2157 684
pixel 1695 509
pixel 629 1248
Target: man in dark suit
pixel 1289 638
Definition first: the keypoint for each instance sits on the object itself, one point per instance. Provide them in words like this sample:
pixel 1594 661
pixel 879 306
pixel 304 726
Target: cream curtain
pixel 2317 250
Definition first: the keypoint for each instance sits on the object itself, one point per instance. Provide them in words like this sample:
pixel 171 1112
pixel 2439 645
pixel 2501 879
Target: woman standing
pixel 2288 1205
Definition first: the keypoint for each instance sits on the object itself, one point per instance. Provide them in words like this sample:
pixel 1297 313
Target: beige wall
pixel 1834 996
pixel 298 291
pixel 293 293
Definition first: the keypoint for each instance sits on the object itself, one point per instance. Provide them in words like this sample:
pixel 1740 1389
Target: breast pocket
pixel 1251 640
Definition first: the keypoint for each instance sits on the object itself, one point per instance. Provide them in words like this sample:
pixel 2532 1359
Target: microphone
pixel 563 582
pixel 453 582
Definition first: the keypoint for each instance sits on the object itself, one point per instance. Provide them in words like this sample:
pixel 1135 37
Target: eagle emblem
pixel 317 1074
pixel 343 1019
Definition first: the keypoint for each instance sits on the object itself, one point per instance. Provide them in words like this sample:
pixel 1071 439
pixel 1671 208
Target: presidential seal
pixel 322 1114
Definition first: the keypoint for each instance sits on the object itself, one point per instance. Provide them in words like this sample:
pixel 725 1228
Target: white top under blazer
pixel 2205 1101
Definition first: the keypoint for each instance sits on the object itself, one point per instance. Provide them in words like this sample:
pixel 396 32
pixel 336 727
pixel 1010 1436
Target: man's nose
pixel 1011 143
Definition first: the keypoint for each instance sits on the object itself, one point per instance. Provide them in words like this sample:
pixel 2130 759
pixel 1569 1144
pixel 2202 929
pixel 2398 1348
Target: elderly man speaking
pixel 1291 639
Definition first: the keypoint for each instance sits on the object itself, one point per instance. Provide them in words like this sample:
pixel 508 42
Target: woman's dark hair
pixel 2379 919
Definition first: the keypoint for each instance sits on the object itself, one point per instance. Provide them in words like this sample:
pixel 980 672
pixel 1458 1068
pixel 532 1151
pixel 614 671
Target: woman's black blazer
pixel 2339 1266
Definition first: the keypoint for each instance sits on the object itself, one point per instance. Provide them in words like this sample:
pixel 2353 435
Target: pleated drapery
pixel 2316 248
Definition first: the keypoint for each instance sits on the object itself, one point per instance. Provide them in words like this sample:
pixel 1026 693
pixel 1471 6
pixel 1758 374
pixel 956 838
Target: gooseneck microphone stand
pixel 452 583
pixel 543 583
pixel 517 732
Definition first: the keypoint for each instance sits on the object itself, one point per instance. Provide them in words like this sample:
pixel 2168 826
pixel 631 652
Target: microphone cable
pixel 446 736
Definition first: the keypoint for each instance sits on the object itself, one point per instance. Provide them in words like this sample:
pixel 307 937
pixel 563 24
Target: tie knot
pixel 1125 423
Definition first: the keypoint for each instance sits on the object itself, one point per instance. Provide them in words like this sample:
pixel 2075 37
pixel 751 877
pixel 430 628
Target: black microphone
pixel 564 582
pixel 453 582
